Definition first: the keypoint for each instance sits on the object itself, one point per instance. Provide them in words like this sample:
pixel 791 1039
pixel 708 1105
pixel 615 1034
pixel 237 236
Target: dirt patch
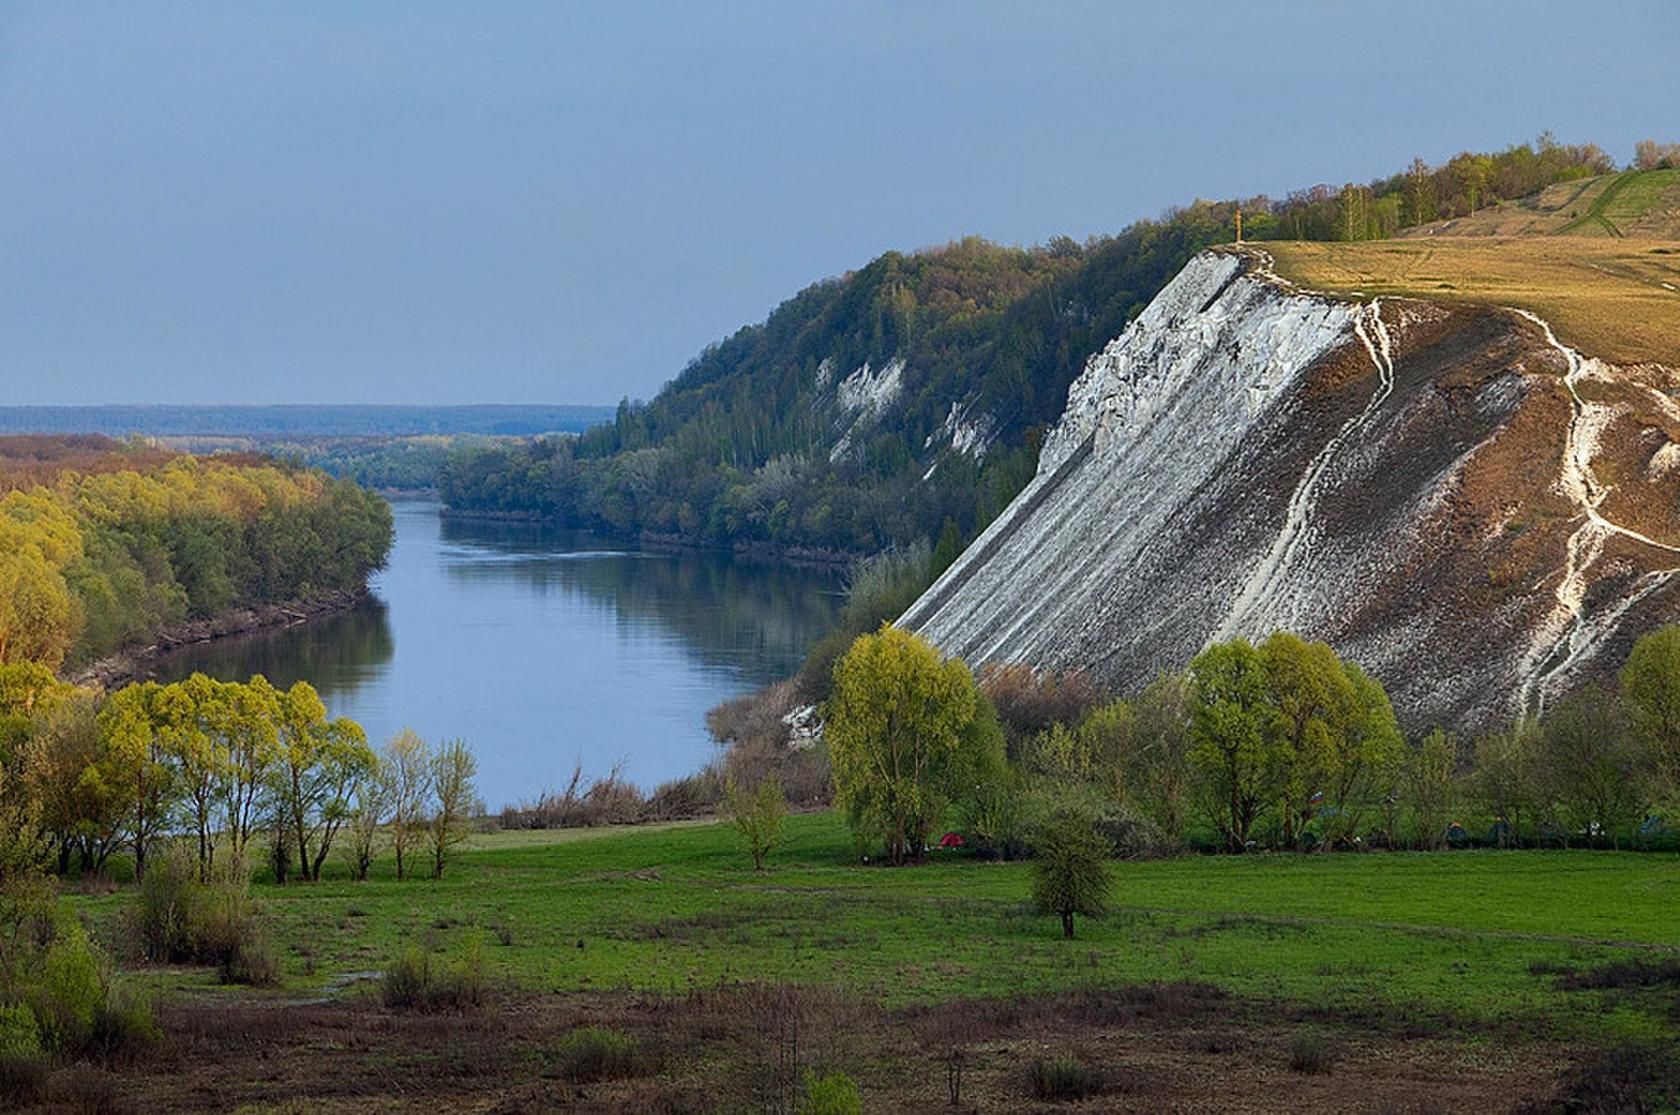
pixel 1159 1047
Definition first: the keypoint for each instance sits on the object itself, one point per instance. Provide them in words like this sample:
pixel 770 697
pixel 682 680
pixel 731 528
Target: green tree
pixel 1235 773
pixel 1599 777
pixel 1651 691
pixel 1313 712
pixel 1364 753
pixel 1505 779
pixel 1431 787
pixel 140 761
pixel 321 764
pixel 906 731
pixel 1070 868
pixel 757 815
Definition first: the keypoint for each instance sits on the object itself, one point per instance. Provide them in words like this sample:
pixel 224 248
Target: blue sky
pixel 552 202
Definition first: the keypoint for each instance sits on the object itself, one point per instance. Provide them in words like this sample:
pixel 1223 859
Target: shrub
pixel 832 1094
pixel 1310 1054
pixel 20 1035
pixel 592 1053
pixel 252 961
pixel 1029 702
pixel 163 918
pixel 70 993
pixel 124 1024
pixel 417 981
pixel 757 816
pixel 1063 1078
pixel 23 1077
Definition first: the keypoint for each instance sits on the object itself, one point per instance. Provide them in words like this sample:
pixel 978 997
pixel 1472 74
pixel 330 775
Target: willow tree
pixel 321 764
pixel 906 731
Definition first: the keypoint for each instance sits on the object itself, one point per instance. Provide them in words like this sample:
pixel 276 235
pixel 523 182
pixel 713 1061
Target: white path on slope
pixel 1259 595
pixel 1574 634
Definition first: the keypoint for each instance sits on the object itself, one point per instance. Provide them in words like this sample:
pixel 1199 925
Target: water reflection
pixel 542 646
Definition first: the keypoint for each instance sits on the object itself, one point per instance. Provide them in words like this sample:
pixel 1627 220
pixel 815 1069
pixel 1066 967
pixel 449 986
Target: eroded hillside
pixel 1446 493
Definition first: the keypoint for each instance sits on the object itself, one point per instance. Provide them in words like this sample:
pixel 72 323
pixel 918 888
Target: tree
pixel 757 815
pixel 1506 778
pixel 1235 774
pixel 453 770
pixel 1598 777
pixel 139 761
pixel 1430 786
pixel 1651 691
pixel 1364 754
pixel 243 719
pixel 1070 868
pixel 321 763
pixel 906 730
pixel 408 761
pixel 1313 711
pixel 374 794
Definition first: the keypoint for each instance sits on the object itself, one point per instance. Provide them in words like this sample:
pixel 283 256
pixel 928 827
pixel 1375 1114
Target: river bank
pixel 137 663
pixel 809 557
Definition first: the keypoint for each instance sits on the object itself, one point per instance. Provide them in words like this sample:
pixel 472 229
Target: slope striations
pixel 1476 513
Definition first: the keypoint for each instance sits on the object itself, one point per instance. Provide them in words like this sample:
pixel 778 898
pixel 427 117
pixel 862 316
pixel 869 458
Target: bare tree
pixel 453 769
pixel 408 760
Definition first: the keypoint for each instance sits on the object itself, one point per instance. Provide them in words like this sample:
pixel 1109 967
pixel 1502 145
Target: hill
pixel 1642 204
pixel 907 400
pixel 1479 515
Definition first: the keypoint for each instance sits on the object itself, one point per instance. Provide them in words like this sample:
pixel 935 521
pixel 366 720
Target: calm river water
pixel 542 647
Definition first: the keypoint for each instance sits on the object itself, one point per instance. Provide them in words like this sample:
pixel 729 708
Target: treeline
pixel 777 436
pixel 1421 193
pixel 1280 746
pixel 103 544
pixel 1284 746
pixel 249 776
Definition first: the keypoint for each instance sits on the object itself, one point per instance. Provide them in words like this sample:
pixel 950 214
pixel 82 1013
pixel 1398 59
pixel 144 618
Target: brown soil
pixel 1160 1048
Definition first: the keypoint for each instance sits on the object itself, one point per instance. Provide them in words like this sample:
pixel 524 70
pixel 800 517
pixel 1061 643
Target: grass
pixel 1633 203
pixel 1453 939
pixel 1615 299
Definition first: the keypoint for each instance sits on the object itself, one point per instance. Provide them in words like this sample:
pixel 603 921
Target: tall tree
pixel 1236 775
pixel 905 730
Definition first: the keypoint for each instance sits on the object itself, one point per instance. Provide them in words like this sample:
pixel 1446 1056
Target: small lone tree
pixel 408 761
pixel 1070 869
pixel 453 771
pixel 757 815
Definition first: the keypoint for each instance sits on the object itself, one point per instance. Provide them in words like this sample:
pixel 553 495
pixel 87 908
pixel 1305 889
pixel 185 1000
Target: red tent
pixel 950 840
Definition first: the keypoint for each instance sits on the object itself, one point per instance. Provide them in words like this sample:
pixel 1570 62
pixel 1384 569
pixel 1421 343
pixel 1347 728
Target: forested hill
pixel 906 400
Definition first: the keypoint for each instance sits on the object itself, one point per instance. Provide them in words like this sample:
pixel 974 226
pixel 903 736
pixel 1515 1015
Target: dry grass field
pixel 1612 298
pixel 1643 204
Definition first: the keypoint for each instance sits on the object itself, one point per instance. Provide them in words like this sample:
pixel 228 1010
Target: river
pixel 542 647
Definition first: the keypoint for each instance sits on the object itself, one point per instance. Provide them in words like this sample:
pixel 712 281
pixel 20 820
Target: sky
pixel 564 202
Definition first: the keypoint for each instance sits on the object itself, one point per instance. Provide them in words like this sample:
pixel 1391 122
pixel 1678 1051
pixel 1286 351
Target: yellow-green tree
pixel 906 730
pixel 1651 688
pixel 321 764
pixel 138 759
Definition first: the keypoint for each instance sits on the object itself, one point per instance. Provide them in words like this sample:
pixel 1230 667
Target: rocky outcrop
pixel 1478 515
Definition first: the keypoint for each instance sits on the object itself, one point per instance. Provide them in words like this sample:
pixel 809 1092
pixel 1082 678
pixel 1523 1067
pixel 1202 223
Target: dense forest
pixel 102 544
pixel 906 400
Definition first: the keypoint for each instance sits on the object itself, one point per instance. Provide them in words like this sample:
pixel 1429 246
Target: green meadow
pixel 1464 940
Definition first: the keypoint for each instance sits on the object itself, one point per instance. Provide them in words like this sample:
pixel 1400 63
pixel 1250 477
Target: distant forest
pixel 314 420
pixel 756 443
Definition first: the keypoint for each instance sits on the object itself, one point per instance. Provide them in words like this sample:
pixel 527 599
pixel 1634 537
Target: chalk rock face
pixel 1426 488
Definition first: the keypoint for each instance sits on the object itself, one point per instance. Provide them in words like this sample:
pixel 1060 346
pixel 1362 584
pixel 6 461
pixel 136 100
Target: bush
pixel 1310 1054
pixel 832 1094
pixel 417 981
pixel 1029 701
pixel 20 1035
pixel 252 961
pixel 124 1024
pixel 23 1077
pixel 70 993
pixel 1063 1078
pixel 592 1053
pixel 163 918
